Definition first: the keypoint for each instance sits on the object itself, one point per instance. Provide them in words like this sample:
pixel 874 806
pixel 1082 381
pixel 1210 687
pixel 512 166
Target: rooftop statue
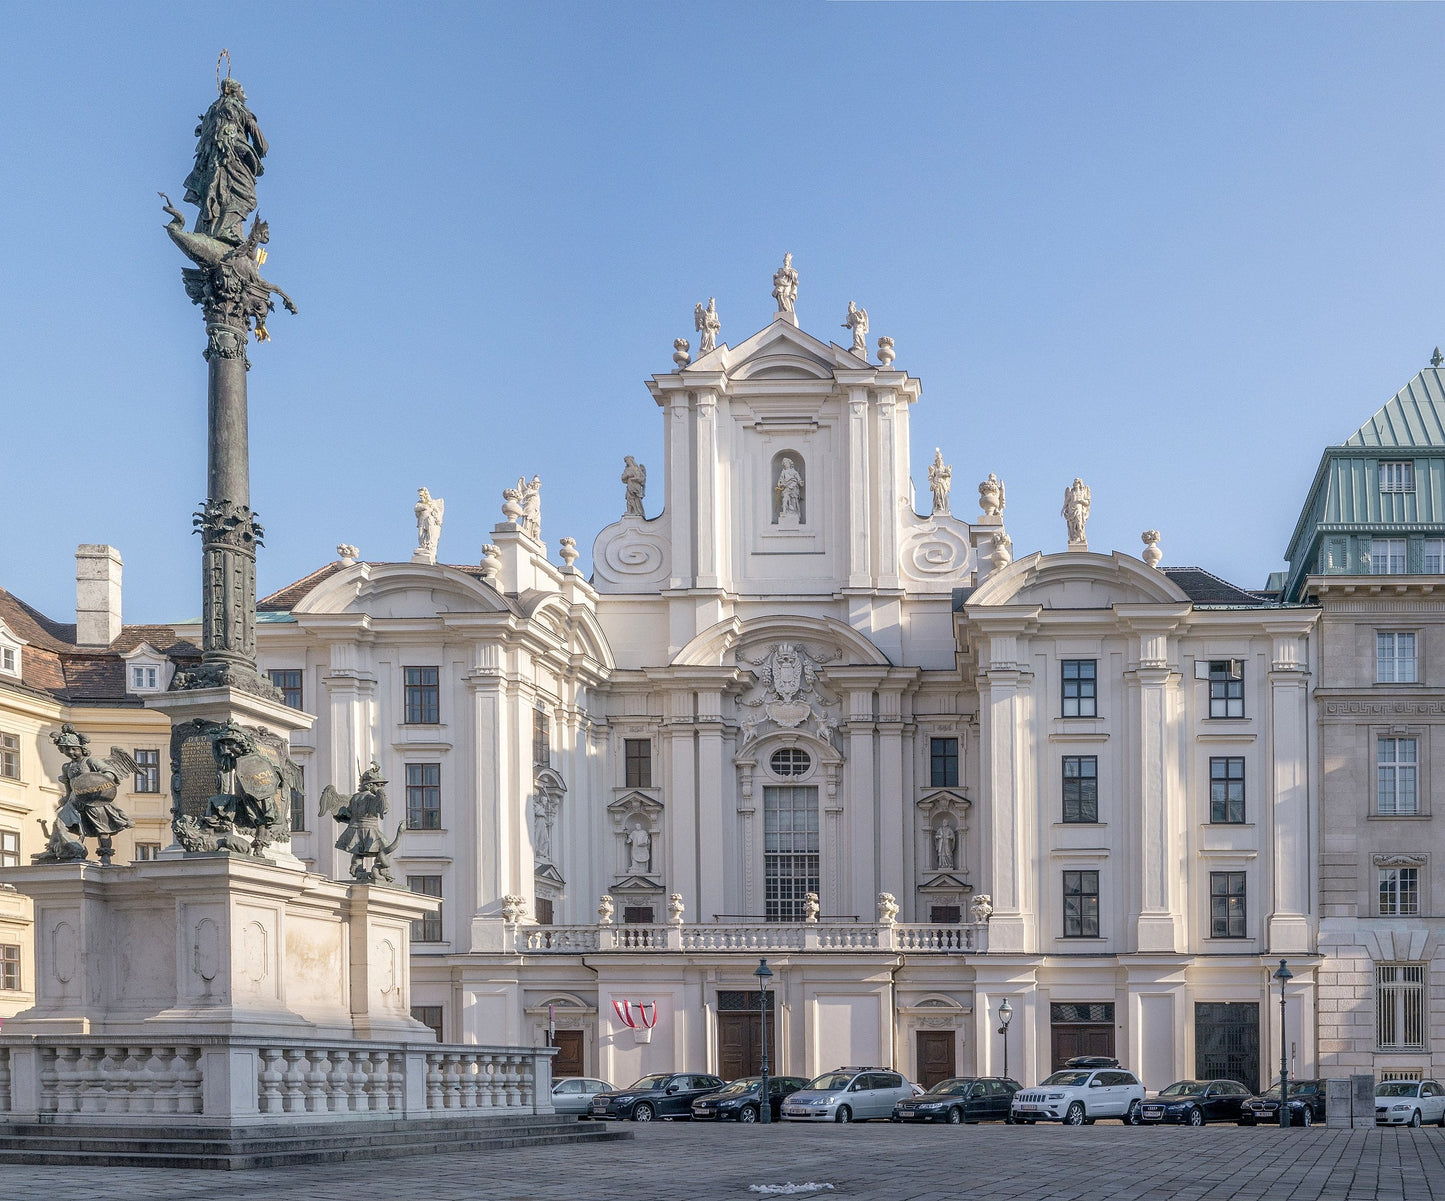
pixel 429 512
pixel 363 838
pixel 1077 499
pixel 940 481
pixel 87 805
pixel 991 496
pixel 229 150
pixel 634 479
pixel 707 323
pixel 785 285
pixel 857 321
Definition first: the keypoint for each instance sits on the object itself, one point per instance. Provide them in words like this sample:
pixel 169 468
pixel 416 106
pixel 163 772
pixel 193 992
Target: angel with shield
pixel 88 807
pixel 363 838
pixel 249 785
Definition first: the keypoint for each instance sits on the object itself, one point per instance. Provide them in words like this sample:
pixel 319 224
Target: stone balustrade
pixel 229 1079
pixel 913 938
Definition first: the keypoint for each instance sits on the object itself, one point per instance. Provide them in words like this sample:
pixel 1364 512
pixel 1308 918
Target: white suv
pixel 1077 1096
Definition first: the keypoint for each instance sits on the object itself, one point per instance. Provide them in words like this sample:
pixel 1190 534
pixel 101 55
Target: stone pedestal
pixel 980 535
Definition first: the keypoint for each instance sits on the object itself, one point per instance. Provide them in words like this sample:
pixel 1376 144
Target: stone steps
pixel 283 1144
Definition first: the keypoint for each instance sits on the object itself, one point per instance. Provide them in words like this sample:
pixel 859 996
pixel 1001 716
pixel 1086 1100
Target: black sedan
pixel 1195 1102
pixel 961 1099
pixel 739 1100
pixel 663 1095
pixel 1306 1105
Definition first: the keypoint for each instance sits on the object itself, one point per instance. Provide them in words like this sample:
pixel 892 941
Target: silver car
pixel 847 1095
pixel 573 1094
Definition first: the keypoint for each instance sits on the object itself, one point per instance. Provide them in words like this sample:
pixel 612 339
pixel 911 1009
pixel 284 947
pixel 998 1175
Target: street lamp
pixel 764 974
pixel 1005 1015
pixel 1284 976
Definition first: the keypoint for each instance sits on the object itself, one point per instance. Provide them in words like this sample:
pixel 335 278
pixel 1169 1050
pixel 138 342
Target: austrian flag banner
pixel 645 1017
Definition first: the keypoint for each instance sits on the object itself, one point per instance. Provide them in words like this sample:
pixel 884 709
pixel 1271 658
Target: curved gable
pixel 1077 580
pixel 712 646
pixel 393 590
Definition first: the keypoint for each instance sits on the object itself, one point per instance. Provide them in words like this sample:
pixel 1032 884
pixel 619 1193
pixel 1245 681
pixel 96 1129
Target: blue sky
pixel 1173 249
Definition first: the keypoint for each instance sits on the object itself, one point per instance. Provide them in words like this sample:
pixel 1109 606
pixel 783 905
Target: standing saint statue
pixel 789 490
pixel 229 150
pixel 532 507
pixel 940 480
pixel 944 842
pixel 785 285
pixel 858 322
pixel 1076 510
pixel 639 850
pixel 429 511
pixel 708 324
pixel 634 479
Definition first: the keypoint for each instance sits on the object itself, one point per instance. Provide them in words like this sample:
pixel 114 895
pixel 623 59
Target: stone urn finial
pixel 605 910
pixel 1152 553
pixel 513 908
pixel 810 908
pixel 982 907
pixel 886 353
pixel 674 909
pixel 347 553
pixel 491 563
pixel 1002 553
pixel 887 909
pixel 681 352
pixel 568 551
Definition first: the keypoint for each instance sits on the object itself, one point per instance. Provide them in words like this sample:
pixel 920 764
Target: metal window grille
pixel 1402 1074
pixel 9 848
pixel 1399 891
pixel 790 850
pixel 1397 477
pixel 422 695
pixel 1226 688
pixel 1400 1006
pixel 427 928
pixel 1081 1013
pixel 288 679
pixel 1387 556
pixel 9 967
pixel 943 762
pixel 1397 777
pixel 637 756
pixel 148 778
pixel 1081 904
pixel 423 796
pixel 1081 687
pixel 10 756
pixel 1226 789
pixel 1395 661
pixel 737 1001
pixel 1081 788
pixel 1226 905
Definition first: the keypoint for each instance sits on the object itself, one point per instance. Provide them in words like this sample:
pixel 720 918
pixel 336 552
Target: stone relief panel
pixel 788 691
pixel 936 550
pixel 633 553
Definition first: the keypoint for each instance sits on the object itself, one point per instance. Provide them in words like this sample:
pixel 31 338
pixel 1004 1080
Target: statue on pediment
pixel 634 480
pixel 707 324
pixel 1075 512
pixel 785 285
pixel 429 510
pixel 940 481
pixel 857 321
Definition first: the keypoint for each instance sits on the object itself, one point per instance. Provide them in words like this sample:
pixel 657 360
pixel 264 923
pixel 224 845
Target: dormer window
pixel 10 647
pixel 145 670
pixel 1397 477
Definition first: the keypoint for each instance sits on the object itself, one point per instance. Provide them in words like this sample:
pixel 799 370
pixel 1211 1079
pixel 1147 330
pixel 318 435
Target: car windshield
pixel 832 1081
pixel 1397 1088
pixel 949 1088
pixel 1182 1088
pixel 746 1085
pixel 1069 1079
pixel 648 1082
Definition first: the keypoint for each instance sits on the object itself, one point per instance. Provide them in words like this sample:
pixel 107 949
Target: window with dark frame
pixel 544 911
pixel 423 796
pixel 1226 688
pixel 1080 683
pixel 1226 905
pixel 1081 788
pixel 1226 789
pixel 945 915
pixel 790 850
pixel 429 1016
pixel 9 967
pixel 1081 904
pixel 10 756
pixel 637 760
pixel 637 915
pixel 427 928
pixel 148 774
pixel 288 679
pixel 943 762
pixel 422 695
pixel 298 801
pixel 541 738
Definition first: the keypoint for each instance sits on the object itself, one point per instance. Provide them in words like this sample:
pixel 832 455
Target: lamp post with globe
pixel 1005 1015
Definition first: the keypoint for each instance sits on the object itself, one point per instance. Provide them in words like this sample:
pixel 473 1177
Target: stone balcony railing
pixel 909 937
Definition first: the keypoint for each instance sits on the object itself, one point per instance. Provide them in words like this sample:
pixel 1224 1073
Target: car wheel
pixel 748 1113
pixel 1075 1114
pixel 1441 1122
pixel 1415 1119
pixel 844 1114
pixel 1307 1118
pixel 1196 1116
pixel 1010 1120
pixel 955 1116
pixel 643 1112
pixel 1135 1116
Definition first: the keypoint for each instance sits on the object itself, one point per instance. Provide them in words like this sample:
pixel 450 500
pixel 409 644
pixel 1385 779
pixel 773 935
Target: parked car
pixel 848 1095
pixel 573 1094
pixel 662 1095
pixel 1195 1102
pixel 1079 1096
pixel 1306 1105
pixel 1409 1103
pixel 739 1099
pixel 961 1099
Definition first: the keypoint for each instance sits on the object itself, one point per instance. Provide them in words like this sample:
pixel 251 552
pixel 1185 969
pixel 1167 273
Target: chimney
pixel 97 595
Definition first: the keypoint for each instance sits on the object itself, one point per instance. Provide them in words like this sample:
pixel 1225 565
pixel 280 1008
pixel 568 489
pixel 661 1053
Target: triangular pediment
pixel 945 882
pixel 633 802
pixel 547 872
pixel 780 350
pixel 636 884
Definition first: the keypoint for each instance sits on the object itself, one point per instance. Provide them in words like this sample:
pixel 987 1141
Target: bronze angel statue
pixel 87 806
pixel 363 838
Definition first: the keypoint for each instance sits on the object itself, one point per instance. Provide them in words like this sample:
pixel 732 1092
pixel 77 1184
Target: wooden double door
pixel 935 1056
pixel 739 1045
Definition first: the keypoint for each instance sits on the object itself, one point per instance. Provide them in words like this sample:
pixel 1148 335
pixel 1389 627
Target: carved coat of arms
pixel 788 692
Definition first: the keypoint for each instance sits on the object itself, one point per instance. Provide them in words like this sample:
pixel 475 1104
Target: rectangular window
pixel 790 850
pixel 423 796
pixel 541 738
pixel 1397 477
pixel 544 911
pixel 9 967
pixel 143 679
pixel 637 754
pixel 10 756
pixel 1395 658
pixel 1432 556
pixel 298 801
pixel 945 915
pixel 943 762
pixel 1081 904
pixel 1397 777
pixel 148 775
pixel 1226 688
pixel 1399 891
pixel 1400 1006
pixel 9 848
pixel 1226 905
pixel 429 1016
pixel 7 660
pixel 1081 683
pixel 423 696
pixel 145 851
pixel 1226 789
pixel 1081 788
pixel 288 679
pixel 1387 556
pixel 428 928
pixel 637 915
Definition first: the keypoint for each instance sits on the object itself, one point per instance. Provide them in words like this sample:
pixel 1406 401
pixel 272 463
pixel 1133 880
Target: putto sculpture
pixel 940 480
pixel 991 497
pixel 430 511
pixel 857 321
pixel 1002 553
pixel 363 838
pixel 1075 512
pixel 785 285
pixel 634 481
pixel 87 804
pixel 707 323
